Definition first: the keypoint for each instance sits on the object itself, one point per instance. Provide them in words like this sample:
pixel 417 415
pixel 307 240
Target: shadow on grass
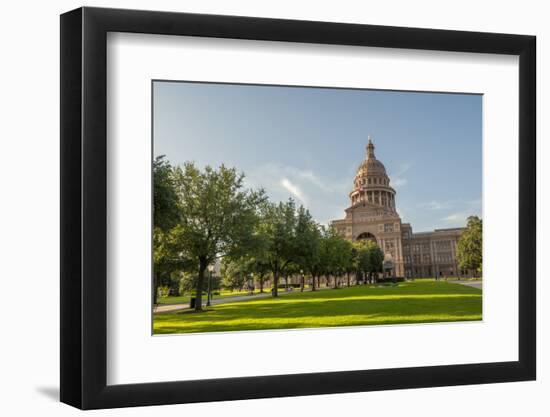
pixel 278 314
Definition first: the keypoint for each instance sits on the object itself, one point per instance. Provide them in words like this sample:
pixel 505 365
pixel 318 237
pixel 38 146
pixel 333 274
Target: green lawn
pixel 420 301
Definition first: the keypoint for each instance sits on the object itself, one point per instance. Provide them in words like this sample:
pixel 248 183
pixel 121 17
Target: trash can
pixel 192 302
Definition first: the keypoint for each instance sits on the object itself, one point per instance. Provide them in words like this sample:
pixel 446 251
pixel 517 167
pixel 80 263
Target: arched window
pixel 366 236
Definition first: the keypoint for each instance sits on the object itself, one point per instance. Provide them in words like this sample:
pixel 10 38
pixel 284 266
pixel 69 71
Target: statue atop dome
pixel 370 149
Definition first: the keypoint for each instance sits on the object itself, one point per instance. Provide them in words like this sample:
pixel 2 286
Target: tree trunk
pixel 261 284
pixel 276 283
pixel 313 282
pixel 349 280
pixel 156 287
pixel 302 284
pixel 200 282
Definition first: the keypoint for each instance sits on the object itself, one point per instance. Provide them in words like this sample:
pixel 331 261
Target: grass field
pixel 420 301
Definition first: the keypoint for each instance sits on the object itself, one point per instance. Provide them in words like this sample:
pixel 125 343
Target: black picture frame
pixel 84 207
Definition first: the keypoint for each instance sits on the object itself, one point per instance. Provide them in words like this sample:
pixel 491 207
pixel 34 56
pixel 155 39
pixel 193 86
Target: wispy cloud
pixel 398 180
pixel 453 217
pixel 437 205
pixel 324 196
pixel 477 202
pixel 458 218
pixel 294 190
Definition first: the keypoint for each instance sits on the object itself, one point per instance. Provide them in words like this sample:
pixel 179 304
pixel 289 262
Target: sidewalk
pixel 175 307
pixel 475 284
pixel 167 308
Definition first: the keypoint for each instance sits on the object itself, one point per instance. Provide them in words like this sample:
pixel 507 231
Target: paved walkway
pixel 475 284
pixel 167 308
pixel 175 307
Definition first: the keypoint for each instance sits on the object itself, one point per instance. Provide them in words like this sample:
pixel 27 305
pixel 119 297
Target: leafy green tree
pixel 331 255
pixel 376 258
pixel 234 273
pixel 254 263
pixel 306 243
pixel 261 275
pixel 278 224
pixel 189 280
pixel 166 213
pixel 370 259
pixel 168 258
pixel 343 257
pixel 258 261
pixel 218 216
pixel 349 259
pixel 470 245
pixel 165 216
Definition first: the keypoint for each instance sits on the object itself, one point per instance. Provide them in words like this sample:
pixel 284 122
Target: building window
pixel 443 245
pixel 388 227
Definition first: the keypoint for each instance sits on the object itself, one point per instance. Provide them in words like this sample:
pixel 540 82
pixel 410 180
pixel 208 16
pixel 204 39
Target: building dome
pixel 371 183
pixel 371 166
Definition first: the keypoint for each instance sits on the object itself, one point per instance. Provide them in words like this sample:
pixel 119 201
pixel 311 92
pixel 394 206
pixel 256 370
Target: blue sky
pixel 306 143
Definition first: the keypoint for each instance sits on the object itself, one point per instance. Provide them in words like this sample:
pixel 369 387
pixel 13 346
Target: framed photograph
pixel 294 207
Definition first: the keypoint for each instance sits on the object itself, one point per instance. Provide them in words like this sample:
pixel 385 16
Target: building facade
pixel 372 215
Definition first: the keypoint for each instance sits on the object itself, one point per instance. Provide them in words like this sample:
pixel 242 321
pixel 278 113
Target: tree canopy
pixel 470 245
pixel 217 215
pixel 200 216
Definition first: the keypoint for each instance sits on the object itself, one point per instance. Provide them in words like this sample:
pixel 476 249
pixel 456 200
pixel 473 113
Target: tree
pixel 188 283
pixel 470 245
pixel 258 258
pixel 254 262
pixel 308 248
pixel 165 199
pixel 234 273
pixel 218 216
pixel 167 257
pixel 306 243
pixel 350 260
pixel 376 258
pixel 331 254
pixel 165 216
pixel 370 259
pixel 277 225
pixel 261 274
pixel 343 258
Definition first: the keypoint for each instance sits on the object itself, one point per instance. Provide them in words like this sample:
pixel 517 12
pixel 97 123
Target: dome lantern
pixel 370 150
pixel 371 183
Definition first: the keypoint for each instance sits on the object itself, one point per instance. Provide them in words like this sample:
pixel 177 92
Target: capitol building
pixel 372 215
